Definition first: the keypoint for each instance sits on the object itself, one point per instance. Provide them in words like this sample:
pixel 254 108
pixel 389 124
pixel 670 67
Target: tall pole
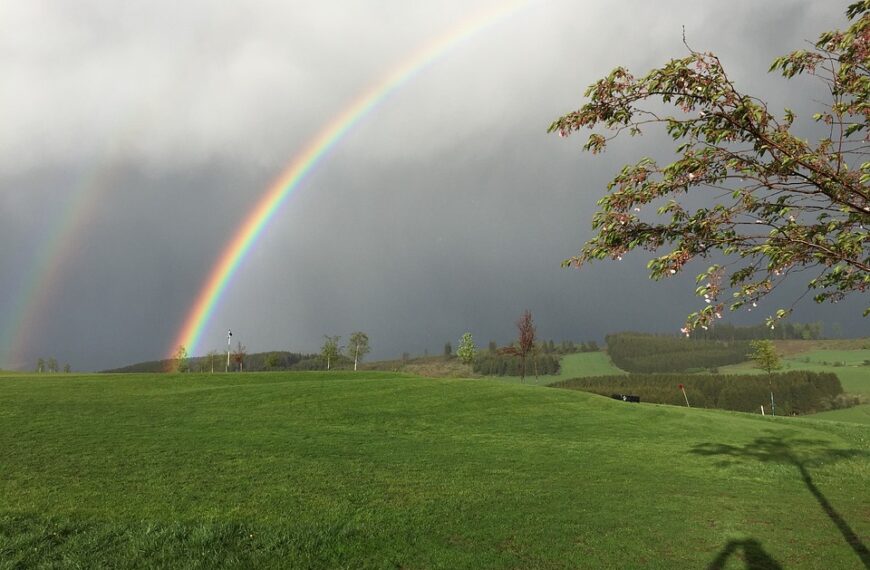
pixel 229 342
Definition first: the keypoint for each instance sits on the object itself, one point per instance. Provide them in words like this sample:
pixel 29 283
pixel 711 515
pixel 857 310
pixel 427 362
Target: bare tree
pixel 239 355
pixel 525 344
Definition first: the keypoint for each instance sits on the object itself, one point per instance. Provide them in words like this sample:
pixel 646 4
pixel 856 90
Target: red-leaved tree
pixel 525 344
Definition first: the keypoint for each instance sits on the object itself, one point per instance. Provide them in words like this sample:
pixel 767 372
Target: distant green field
pixel 375 470
pixel 576 365
pixel 832 357
pixel 858 414
pixel 854 376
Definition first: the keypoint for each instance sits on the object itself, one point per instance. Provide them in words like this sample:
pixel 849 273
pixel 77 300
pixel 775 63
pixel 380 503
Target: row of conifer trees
pixel 496 364
pixel 648 354
pixel 795 392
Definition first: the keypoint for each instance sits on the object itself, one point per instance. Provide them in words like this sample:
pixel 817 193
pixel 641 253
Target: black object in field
pixel 626 397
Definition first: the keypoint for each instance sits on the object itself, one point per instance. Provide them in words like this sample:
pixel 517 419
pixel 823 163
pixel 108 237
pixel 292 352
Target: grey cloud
pixel 448 208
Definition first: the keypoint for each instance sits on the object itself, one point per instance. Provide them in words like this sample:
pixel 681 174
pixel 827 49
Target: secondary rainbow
pixel 57 248
pixel 317 148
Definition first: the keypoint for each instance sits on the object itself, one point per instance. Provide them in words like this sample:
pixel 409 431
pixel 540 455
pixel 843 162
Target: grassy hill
pixel 377 470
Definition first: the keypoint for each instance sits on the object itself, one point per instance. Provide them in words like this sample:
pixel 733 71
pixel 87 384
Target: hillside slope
pixel 372 470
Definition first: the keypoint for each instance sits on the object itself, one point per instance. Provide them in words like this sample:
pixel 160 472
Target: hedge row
pixel 648 354
pixel 796 392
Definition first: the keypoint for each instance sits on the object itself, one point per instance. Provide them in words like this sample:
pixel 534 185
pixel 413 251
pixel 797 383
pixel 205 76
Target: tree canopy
pixel 358 347
pixel 467 349
pixel 765 356
pixel 780 205
pixel 330 349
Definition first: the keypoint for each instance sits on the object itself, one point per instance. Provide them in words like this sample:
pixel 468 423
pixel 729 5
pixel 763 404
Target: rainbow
pixel 57 247
pixel 317 148
pixel 41 279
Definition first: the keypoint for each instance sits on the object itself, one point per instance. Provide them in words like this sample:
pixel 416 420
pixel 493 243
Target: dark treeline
pixel 262 361
pixel 496 364
pixel 567 347
pixel 783 331
pixel 649 354
pixel 553 347
pixel 796 392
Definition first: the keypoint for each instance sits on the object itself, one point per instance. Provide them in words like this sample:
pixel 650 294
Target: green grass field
pixel 576 365
pixel 857 414
pixel 371 470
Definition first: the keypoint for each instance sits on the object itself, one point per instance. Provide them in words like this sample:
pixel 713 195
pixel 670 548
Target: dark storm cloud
pixel 446 209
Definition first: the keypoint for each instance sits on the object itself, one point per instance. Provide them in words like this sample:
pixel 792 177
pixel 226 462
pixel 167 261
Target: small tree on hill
pixel 273 360
pixel 211 357
pixel 330 349
pixel 780 204
pixel 40 365
pixel 765 357
pixel 448 349
pixel 179 361
pixel 239 355
pixel 52 365
pixel 525 345
pixel 358 347
pixel 466 350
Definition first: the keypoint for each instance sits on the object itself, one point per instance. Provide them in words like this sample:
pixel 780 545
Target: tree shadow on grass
pixel 752 553
pixel 773 449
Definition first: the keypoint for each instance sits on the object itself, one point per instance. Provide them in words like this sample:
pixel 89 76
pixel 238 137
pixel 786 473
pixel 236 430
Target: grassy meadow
pixel 379 470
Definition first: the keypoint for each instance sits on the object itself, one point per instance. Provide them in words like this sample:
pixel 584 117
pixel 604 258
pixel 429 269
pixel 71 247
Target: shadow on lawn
pixel 773 449
pixel 753 554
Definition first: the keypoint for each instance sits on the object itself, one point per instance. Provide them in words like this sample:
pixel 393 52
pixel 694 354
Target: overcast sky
pixel 137 135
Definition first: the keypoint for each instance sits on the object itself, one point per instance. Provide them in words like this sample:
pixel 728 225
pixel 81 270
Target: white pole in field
pixel 229 342
pixel 762 409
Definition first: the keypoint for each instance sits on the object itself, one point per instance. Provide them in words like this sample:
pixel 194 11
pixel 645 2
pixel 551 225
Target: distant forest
pixel 783 331
pixel 796 392
pixel 257 362
pixel 648 354
pixel 705 350
pixel 494 364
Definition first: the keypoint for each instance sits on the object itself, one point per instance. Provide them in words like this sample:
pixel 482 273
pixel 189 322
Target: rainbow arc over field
pixel 316 149
pixel 40 281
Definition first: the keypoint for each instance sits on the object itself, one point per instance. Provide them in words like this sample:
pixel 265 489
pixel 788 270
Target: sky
pixel 136 138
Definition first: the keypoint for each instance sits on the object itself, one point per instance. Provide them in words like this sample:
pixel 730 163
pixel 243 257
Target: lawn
pixel 857 414
pixel 375 470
